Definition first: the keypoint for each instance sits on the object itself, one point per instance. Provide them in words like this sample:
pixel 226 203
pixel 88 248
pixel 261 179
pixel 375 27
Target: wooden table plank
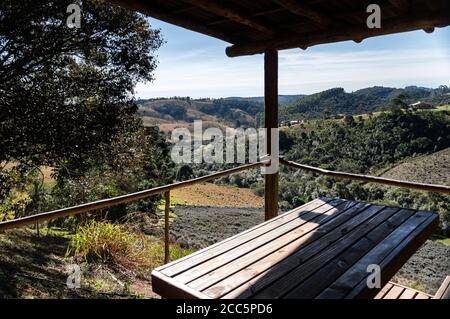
pixel 422 296
pixel 322 256
pixel 248 247
pixel 242 277
pixel 353 281
pixel 300 235
pixel 320 250
pixel 384 291
pixel 394 293
pixel 326 275
pixel 183 264
pixel 408 294
pixel 333 233
pixel 397 258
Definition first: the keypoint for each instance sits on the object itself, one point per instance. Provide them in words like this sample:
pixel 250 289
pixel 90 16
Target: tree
pixel 64 91
pixel 349 120
pixel 66 95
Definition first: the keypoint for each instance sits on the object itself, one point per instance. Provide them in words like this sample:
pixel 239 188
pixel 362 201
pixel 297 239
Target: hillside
pixel 337 101
pixel 248 111
pixel 431 169
pixel 230 111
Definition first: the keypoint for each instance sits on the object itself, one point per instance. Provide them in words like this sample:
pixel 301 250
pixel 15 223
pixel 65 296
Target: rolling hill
pixel 247 111
pixel 337 101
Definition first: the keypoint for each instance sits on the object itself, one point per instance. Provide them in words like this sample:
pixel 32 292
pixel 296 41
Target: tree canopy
pixel 67 101
pixel 65 90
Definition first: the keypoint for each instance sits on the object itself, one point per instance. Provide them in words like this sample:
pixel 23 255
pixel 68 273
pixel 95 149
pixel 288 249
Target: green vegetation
pixel 333 103
pixel 336 101
pixel 367 146
pixel 445 241
pixel 70 134
pixel 67 104
pixel 100 241
pixel 359 145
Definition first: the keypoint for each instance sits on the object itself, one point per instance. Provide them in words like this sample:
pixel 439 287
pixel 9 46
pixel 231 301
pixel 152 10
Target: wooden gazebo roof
pixel 252 26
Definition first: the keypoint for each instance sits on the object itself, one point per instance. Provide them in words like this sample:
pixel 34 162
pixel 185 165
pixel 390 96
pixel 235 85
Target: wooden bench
pixel 319 250
pixel 444 291
pixel 396 291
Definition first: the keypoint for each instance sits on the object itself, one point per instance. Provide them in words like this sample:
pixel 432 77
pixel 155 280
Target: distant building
pixel 421 105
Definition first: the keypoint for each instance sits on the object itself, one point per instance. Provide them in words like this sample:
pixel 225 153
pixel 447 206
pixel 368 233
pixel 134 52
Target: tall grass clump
pixel 101 241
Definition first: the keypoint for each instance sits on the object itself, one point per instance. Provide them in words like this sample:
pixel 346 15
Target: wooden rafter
pixel 165 15
pixel 257 14
pixel 303 10
pixel 352 32
pixel 231 14
pixel 400 4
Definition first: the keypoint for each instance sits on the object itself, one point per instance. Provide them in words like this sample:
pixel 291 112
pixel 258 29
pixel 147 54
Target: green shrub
pixel 100 241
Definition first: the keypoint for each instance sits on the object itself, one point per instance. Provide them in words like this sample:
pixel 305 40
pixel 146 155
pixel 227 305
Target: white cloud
pixel 208 73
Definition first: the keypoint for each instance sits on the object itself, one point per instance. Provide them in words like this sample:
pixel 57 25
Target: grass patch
pixel 100 241
pixel 441 239
pixel 174 201
pixel 445 241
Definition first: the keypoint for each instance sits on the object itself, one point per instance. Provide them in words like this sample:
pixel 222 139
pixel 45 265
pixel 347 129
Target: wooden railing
pixel 106 203
pixel 109 202
pixel 369 179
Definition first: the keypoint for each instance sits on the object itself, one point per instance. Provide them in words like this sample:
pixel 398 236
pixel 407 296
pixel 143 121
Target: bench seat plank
pixel 393 290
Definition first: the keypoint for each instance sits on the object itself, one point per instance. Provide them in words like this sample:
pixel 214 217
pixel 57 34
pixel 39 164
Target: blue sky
pixel 195 65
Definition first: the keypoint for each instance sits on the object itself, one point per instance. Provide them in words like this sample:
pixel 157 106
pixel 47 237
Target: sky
pixel 195 65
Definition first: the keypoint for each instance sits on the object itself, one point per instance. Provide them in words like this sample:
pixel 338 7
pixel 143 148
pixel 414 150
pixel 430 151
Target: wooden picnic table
pixel 319 250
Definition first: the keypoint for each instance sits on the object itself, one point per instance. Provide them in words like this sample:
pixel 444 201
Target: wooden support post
pixel 270 121
pixel 166 227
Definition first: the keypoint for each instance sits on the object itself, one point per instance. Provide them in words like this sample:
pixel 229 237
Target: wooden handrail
pixel 123 199
pixel 370 179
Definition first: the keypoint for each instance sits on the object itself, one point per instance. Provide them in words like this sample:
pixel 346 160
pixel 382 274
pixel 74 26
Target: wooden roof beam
pixel 303 10
pixel 257 14
pixel 400 4
pixel 149 9
pixel 346 33
pixel 231 14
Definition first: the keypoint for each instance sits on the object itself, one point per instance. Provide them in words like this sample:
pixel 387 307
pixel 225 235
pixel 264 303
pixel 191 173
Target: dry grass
pixel 209 194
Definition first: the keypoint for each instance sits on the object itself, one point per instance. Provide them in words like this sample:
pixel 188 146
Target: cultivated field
pixel 201 226
pixel 433 169
pixel 209 194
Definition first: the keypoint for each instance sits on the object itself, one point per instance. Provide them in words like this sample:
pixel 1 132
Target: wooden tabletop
pixel 319 250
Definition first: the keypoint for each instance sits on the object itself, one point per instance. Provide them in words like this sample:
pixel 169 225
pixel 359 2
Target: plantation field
pixel 209 194
pixel 433 169
pixel 198 227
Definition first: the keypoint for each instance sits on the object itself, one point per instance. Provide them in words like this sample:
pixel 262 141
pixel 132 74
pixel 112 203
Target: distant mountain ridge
pixel 247 111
